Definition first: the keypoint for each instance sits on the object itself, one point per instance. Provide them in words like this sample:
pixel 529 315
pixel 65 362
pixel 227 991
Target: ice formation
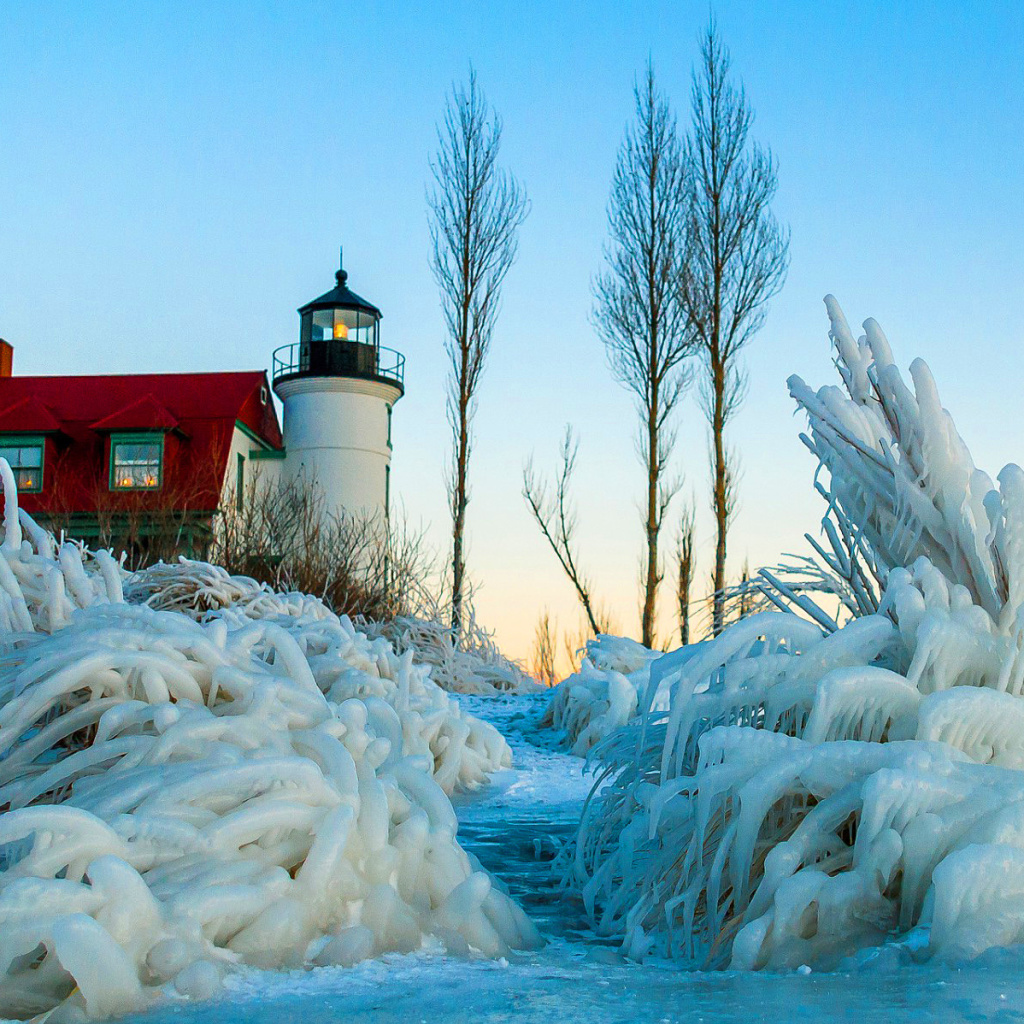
pixel 591 704
pixel 467 663
pixel 244 779
pixel 807 789
pixel 43 582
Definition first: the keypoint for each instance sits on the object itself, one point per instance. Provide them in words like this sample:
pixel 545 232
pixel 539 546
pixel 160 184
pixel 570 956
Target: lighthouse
pixel 338 387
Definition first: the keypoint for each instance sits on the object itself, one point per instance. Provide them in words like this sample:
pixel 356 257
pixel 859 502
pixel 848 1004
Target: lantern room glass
pixel 350 325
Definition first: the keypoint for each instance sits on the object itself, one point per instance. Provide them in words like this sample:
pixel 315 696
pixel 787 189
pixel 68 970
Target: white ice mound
pixel 43 582
pixel 793 790
pixel 199 590
pixel 602 697
pixel 180 797
pixel 461 661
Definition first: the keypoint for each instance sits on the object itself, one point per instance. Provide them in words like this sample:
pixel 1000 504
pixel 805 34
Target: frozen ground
pixel 512 828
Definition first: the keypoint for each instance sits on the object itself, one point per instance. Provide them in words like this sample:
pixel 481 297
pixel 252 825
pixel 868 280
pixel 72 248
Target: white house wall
pixel 268 471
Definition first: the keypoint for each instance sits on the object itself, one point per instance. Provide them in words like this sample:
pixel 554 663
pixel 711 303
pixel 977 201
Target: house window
pixel 136 463
pixel 25 456
pixel 389 426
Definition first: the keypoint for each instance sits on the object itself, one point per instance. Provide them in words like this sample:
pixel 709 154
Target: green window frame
pixel 390 445
pixel 239 481
pixel 136 462
pixel 27 457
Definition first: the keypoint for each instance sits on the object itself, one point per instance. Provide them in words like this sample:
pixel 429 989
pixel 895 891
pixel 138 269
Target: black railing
pixel 331 358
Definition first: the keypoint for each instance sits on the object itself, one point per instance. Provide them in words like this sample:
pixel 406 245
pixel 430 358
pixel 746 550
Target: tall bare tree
pixel 638 311
pixel 737 257
pixel 476 209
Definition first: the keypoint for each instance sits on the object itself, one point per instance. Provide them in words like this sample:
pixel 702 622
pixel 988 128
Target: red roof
pixel 145 414
pixel 27 416
pixel 196 412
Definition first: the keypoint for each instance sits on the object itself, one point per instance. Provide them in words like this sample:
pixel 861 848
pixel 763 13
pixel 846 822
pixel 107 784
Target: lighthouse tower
pixel 338 387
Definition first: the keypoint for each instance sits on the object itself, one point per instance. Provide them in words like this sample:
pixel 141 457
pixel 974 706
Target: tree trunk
pixel 459 502
pixel 653 469
pixel 721 497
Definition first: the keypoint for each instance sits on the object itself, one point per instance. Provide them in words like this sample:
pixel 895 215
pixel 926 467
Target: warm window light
pixel 340 332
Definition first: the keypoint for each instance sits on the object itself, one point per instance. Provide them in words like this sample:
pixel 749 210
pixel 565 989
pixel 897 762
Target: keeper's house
pixel 144 462
pixel 141 460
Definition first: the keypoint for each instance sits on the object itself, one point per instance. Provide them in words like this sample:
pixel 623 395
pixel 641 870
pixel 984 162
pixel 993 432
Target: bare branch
pixel 544 651
pixel 556 517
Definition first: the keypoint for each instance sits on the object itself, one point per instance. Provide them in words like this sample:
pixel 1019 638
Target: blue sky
pixel 175 180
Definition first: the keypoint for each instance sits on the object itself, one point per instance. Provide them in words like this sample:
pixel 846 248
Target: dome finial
pixel 342 275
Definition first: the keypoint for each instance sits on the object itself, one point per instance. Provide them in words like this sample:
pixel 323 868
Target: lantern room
pixel 339 336
pixel 340 315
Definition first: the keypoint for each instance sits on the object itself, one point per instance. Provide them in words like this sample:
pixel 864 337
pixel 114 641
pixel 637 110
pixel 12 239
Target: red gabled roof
pixel 197 412
pixel 28 416
pixel 145 414
pixel 86 399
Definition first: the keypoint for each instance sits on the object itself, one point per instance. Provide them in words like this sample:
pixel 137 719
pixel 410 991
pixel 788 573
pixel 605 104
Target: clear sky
pixel 175 180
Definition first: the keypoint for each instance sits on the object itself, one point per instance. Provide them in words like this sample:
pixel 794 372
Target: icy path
pixel 510 827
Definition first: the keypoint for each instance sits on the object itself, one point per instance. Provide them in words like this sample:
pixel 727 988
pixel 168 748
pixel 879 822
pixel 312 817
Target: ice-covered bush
pixel 469 662
pixel 242 780
pixel 200 590
pixel 809 789
pixel 43 582
pixel 464 661
pixel 602 697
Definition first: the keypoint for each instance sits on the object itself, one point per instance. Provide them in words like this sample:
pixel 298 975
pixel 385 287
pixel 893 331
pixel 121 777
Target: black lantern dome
pixel 339 336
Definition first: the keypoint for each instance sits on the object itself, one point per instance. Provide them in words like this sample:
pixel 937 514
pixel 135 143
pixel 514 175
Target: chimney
pixel 6 358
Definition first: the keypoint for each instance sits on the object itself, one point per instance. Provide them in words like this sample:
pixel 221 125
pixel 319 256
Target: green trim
pixel 239 481
pixel 10 440
pixel 135 437
pixel 271 453
pixel 390 445
pixel 192 532
pixel 253 436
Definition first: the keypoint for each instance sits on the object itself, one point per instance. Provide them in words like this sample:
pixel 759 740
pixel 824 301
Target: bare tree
pixel 476 210
pixel 545 650
pixel 685 565
pixel 557 519
pixel 746 598
pixel 639 313
pixel 737 256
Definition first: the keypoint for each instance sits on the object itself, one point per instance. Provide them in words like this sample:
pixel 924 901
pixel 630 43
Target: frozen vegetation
pixel 591 704
pixel 811 784
pixel 216 776
pixel 469 663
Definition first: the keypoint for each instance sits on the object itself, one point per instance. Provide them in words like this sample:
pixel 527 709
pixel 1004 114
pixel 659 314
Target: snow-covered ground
pixel 513 827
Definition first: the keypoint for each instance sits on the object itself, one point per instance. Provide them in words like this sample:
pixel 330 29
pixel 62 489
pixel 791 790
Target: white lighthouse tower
pixel 338 387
